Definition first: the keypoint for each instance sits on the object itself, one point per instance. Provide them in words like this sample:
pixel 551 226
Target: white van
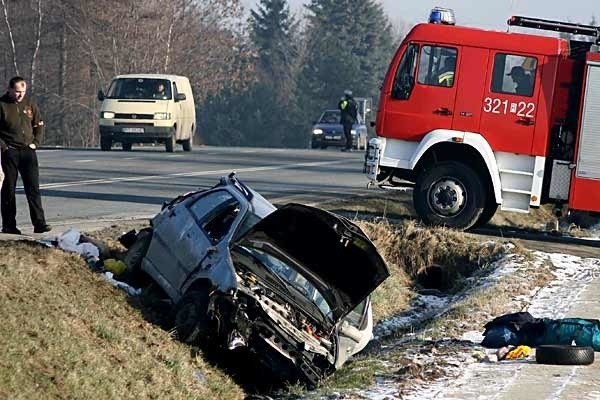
pixel 147 108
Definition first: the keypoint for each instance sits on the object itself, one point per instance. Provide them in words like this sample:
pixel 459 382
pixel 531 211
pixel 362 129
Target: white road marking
pixel 184 174
pixel 84 161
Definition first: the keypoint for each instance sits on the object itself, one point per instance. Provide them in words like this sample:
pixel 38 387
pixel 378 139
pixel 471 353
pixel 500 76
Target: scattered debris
pixel 121 285
pixel 523 329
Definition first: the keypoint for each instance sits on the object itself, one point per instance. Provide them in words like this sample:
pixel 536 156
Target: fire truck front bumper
pixel 373 158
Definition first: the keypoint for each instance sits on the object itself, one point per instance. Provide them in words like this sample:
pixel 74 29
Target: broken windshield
pixel 288 274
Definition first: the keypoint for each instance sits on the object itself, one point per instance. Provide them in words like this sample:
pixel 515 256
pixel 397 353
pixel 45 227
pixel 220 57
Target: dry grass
pixel 66 333
pixel 396 206
pixel 410 250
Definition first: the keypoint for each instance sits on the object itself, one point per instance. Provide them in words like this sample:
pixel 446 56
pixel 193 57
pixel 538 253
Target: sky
pixel 487 14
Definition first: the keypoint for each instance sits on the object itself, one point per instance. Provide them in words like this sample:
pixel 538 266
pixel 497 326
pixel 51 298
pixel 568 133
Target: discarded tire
pixel 564 355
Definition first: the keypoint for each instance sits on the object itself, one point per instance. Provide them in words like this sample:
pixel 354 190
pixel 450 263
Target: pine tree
pixel 272 33
pixel 349 46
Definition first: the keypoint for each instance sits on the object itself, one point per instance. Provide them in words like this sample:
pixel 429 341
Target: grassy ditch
pixel 69 334
pixel 66 333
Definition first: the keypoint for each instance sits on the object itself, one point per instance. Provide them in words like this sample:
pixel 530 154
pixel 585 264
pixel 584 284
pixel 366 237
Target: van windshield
pixel 140 88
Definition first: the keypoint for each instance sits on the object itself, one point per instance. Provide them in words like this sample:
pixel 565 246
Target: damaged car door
pixel 184 236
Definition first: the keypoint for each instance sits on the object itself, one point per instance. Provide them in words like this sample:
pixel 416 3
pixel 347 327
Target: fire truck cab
pixel 480 119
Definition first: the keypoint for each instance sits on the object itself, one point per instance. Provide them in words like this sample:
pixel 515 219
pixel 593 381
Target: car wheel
pixel 449 194
pixel 564 355
pixel 127 146
pixel 192 320
pixel 170 144
pixel 105 143
pixel 187 144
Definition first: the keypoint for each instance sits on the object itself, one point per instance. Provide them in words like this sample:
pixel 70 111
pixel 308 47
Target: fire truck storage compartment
pixel 585 190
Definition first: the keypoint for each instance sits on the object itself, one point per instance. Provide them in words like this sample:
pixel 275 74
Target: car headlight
pixel 317 131
pixel 162 115
pixel 353 132
pixel 107 115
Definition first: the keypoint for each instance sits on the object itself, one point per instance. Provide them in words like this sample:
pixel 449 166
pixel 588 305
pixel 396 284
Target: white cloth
pixel 69 241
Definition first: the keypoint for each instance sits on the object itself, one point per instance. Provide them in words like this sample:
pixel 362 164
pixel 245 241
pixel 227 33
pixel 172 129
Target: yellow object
pixel 518 352
pixel 115 266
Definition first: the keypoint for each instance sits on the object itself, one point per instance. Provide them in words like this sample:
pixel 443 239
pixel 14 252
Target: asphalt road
pixel 90 185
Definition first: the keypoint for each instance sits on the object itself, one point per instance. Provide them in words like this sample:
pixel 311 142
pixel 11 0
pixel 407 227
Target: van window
pixel 405 76
pixel 437 66
pixel 140 88
pixel 514 74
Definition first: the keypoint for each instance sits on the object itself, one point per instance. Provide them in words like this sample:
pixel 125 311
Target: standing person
pixel 348 114
pixel 21 129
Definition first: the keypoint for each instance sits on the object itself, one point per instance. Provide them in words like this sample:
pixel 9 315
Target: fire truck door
pixel 468 111
pixel 585 185
pixel 423 94
pixel 510 101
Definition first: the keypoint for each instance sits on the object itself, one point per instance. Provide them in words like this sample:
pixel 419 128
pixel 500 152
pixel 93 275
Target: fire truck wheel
pixel 488 213
pixel 449 194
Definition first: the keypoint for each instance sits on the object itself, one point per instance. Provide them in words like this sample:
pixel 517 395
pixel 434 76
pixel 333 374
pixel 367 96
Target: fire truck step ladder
pixel 517 186
pixel 556 26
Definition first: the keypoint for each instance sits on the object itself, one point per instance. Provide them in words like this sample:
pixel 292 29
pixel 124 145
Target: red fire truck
pixel 480 119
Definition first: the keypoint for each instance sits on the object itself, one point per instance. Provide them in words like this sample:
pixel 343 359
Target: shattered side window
pixel 215 213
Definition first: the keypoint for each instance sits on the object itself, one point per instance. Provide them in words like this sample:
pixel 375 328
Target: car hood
pixel 330 251
pixel 334 127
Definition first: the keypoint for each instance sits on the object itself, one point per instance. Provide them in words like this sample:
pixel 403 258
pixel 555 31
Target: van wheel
pixel 127 146
pixel 105 143
pixel 170 144
pixel 187 144
pixel 449 194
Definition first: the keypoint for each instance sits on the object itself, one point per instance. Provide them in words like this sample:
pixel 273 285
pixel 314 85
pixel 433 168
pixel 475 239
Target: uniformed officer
pixel 21 129
pixel 348 115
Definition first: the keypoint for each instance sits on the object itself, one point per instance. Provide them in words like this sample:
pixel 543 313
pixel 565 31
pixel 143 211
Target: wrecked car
pixel 289 285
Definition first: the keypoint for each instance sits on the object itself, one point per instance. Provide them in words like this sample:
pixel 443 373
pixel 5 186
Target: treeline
pixel 258 79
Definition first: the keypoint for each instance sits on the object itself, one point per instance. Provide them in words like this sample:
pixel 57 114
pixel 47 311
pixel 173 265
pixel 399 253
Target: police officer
pixel 21 128
pixel 348 114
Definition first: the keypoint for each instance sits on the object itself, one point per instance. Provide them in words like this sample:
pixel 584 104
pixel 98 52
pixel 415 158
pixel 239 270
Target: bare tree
pixel 37 44
pixel 10 36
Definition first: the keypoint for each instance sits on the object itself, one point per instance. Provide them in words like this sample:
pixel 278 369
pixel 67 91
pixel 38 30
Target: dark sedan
pixel 328 131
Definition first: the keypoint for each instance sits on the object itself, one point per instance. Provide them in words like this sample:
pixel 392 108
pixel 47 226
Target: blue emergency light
pixel 443 16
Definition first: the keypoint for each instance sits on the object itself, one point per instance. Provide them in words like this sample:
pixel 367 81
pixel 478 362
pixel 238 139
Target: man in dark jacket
pixel 348 114
pixel 21 129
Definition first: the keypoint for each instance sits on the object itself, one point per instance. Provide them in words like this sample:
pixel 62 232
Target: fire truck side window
pixel 514 74
pixel 437 66
pixel 404 80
